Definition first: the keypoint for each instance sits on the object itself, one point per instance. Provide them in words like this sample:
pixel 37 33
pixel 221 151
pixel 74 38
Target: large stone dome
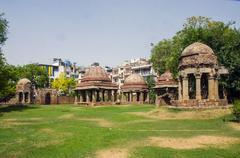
pixel 197 55
pixel 96 73
pixel 134 81
pixel 95 78
pixel 23 81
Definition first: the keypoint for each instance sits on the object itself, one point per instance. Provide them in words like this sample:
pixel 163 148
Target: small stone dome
pixel 166 79
pixel 23 81
pixel 23 84
pixel 96 73
pixel 196 55
pixel 134 81
pixel 166 76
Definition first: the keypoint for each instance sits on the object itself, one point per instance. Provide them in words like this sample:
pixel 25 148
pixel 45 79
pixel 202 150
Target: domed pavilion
pixel 134 90
pixel 199 73
pixel 96 88
pixel 166 89
pixel 24 91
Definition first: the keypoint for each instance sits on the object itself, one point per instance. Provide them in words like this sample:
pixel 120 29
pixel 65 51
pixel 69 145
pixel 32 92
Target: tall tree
pixel 151 84
pixel 6 88
pixel 37 75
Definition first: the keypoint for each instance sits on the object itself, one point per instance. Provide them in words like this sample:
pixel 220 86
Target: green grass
pixel 65 131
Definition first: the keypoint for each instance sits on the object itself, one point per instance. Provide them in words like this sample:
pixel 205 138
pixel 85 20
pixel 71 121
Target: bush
pixel 236 110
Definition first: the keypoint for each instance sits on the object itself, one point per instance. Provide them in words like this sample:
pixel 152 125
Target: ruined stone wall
pixel 65 100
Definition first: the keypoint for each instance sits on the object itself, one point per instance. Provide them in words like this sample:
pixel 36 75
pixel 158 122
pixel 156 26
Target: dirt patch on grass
pixel 235 126
pixel 8 123
pixel 112 153
pixel 67 116
pixel 166 114
pixel 192 143
pixel 47 130
pixel 47 143
pixel 100 122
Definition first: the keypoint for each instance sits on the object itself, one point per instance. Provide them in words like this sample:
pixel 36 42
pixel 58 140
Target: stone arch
pixel 26 97
pixel 48 98
pixel 191 86
pixel 20 97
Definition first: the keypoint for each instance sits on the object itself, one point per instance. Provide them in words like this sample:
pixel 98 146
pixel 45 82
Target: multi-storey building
pixel 140 66
pixel 59 66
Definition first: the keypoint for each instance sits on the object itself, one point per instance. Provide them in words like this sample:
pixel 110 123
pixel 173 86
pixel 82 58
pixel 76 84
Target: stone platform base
pixel 200 103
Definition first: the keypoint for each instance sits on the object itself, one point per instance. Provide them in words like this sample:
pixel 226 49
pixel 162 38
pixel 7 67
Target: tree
pixel 223 38
pixel 37 75
pixel 63 84
pixel 151 83
pixel 6 77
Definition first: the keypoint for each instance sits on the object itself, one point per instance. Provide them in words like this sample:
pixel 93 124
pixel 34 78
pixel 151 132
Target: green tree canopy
pixel 37 75
pixel 5 73
pixel 223 38
pixel 63 84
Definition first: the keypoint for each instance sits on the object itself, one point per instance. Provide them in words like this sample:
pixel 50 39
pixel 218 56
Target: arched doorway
pixel 166 100
pixel 48 98
pixel 20 97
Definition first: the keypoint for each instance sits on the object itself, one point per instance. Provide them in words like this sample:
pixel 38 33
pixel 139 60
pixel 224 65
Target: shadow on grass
pixel 10 108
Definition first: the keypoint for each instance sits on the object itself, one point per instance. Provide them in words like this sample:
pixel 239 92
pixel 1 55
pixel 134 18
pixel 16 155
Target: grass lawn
pixel 68 131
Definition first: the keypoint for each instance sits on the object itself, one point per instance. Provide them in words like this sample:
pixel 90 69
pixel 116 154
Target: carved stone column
pixel 179 89
pixel 76 99
pixel 216 88
pixel 211 87
pixel 29 97
pixel 185 95
pixel 147 98
pixel 112 95
pixel 23 100
pixel 198 86
pixel 94 96
pixel 81 96
pixel 130 96
pixel 87 96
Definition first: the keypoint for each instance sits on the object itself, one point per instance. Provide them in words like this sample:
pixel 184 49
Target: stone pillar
pixel 112 95
pixel 80 96
pixel 147 99
pixel 185 95
pixel 23 100
pixel 17 97
pixel 198 86
pixel 115 94
pixel 94 96
pixel 179 89
pixel 211 87
pixel 87 96
pixel 130 96
pixel 29 97
pixel 76 99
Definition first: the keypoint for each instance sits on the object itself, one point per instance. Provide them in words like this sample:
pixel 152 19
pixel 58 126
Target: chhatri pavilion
pixel 134 90
pixel 96 88
pixel 166 89
pixel 199 73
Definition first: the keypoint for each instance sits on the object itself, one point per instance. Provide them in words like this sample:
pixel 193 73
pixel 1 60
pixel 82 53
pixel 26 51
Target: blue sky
pixel 106 31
